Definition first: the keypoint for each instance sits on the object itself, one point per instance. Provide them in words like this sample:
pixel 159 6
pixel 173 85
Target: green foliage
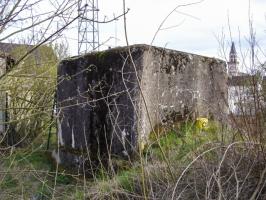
pixel 102 174
pixel 30 87
pixel 43 192
pixel 176 144
pixel 101 55
pixel 126 179
pixel 30 173
pixel 180 146
pixel 64 179
pixel 35 159
pixel 185 140
pixel 79 195
pixel 8 182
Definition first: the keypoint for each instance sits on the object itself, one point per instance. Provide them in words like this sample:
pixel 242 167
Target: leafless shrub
pixel 235 171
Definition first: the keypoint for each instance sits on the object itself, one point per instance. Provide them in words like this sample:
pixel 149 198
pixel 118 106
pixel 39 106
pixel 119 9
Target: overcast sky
pixel 195 27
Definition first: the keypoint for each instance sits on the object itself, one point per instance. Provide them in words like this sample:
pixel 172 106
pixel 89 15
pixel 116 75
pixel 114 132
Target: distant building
pixel 233 62
pixel 245 91
pixel 9 53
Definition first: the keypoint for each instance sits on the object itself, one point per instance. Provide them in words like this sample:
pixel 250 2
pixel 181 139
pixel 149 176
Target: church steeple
pixel 233 63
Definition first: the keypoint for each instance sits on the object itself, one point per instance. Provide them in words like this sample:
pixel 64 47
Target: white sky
pixel 197 34
pixel 197 30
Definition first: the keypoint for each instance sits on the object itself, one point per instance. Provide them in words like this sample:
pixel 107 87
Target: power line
pixel 88 30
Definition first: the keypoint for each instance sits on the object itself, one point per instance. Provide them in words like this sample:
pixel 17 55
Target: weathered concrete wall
pixel 174 83
pixel 97 94
pixel 101 106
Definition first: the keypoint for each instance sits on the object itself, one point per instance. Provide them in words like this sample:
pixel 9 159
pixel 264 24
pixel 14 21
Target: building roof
pixel 243 80
pixel 233 48
pixel 7 48
pixel 14 51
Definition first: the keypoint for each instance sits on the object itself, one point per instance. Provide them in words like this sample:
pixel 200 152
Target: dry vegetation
pixel 219 162
pixel 202 165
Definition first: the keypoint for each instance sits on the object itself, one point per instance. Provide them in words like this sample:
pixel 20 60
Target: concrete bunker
pixel 101 107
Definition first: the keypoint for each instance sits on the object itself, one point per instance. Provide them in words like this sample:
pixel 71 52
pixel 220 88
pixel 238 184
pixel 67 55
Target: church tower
pixel 233 63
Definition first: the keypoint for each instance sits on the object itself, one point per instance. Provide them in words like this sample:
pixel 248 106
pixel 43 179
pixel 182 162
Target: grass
pixel 9 182
pixel 29 173
pixel 176 144
pixel 35 169
pixel 185 140
pixel 126 178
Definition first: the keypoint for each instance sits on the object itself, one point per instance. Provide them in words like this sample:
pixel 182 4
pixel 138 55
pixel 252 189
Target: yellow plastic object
pixel 142 146
pixel 202 123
